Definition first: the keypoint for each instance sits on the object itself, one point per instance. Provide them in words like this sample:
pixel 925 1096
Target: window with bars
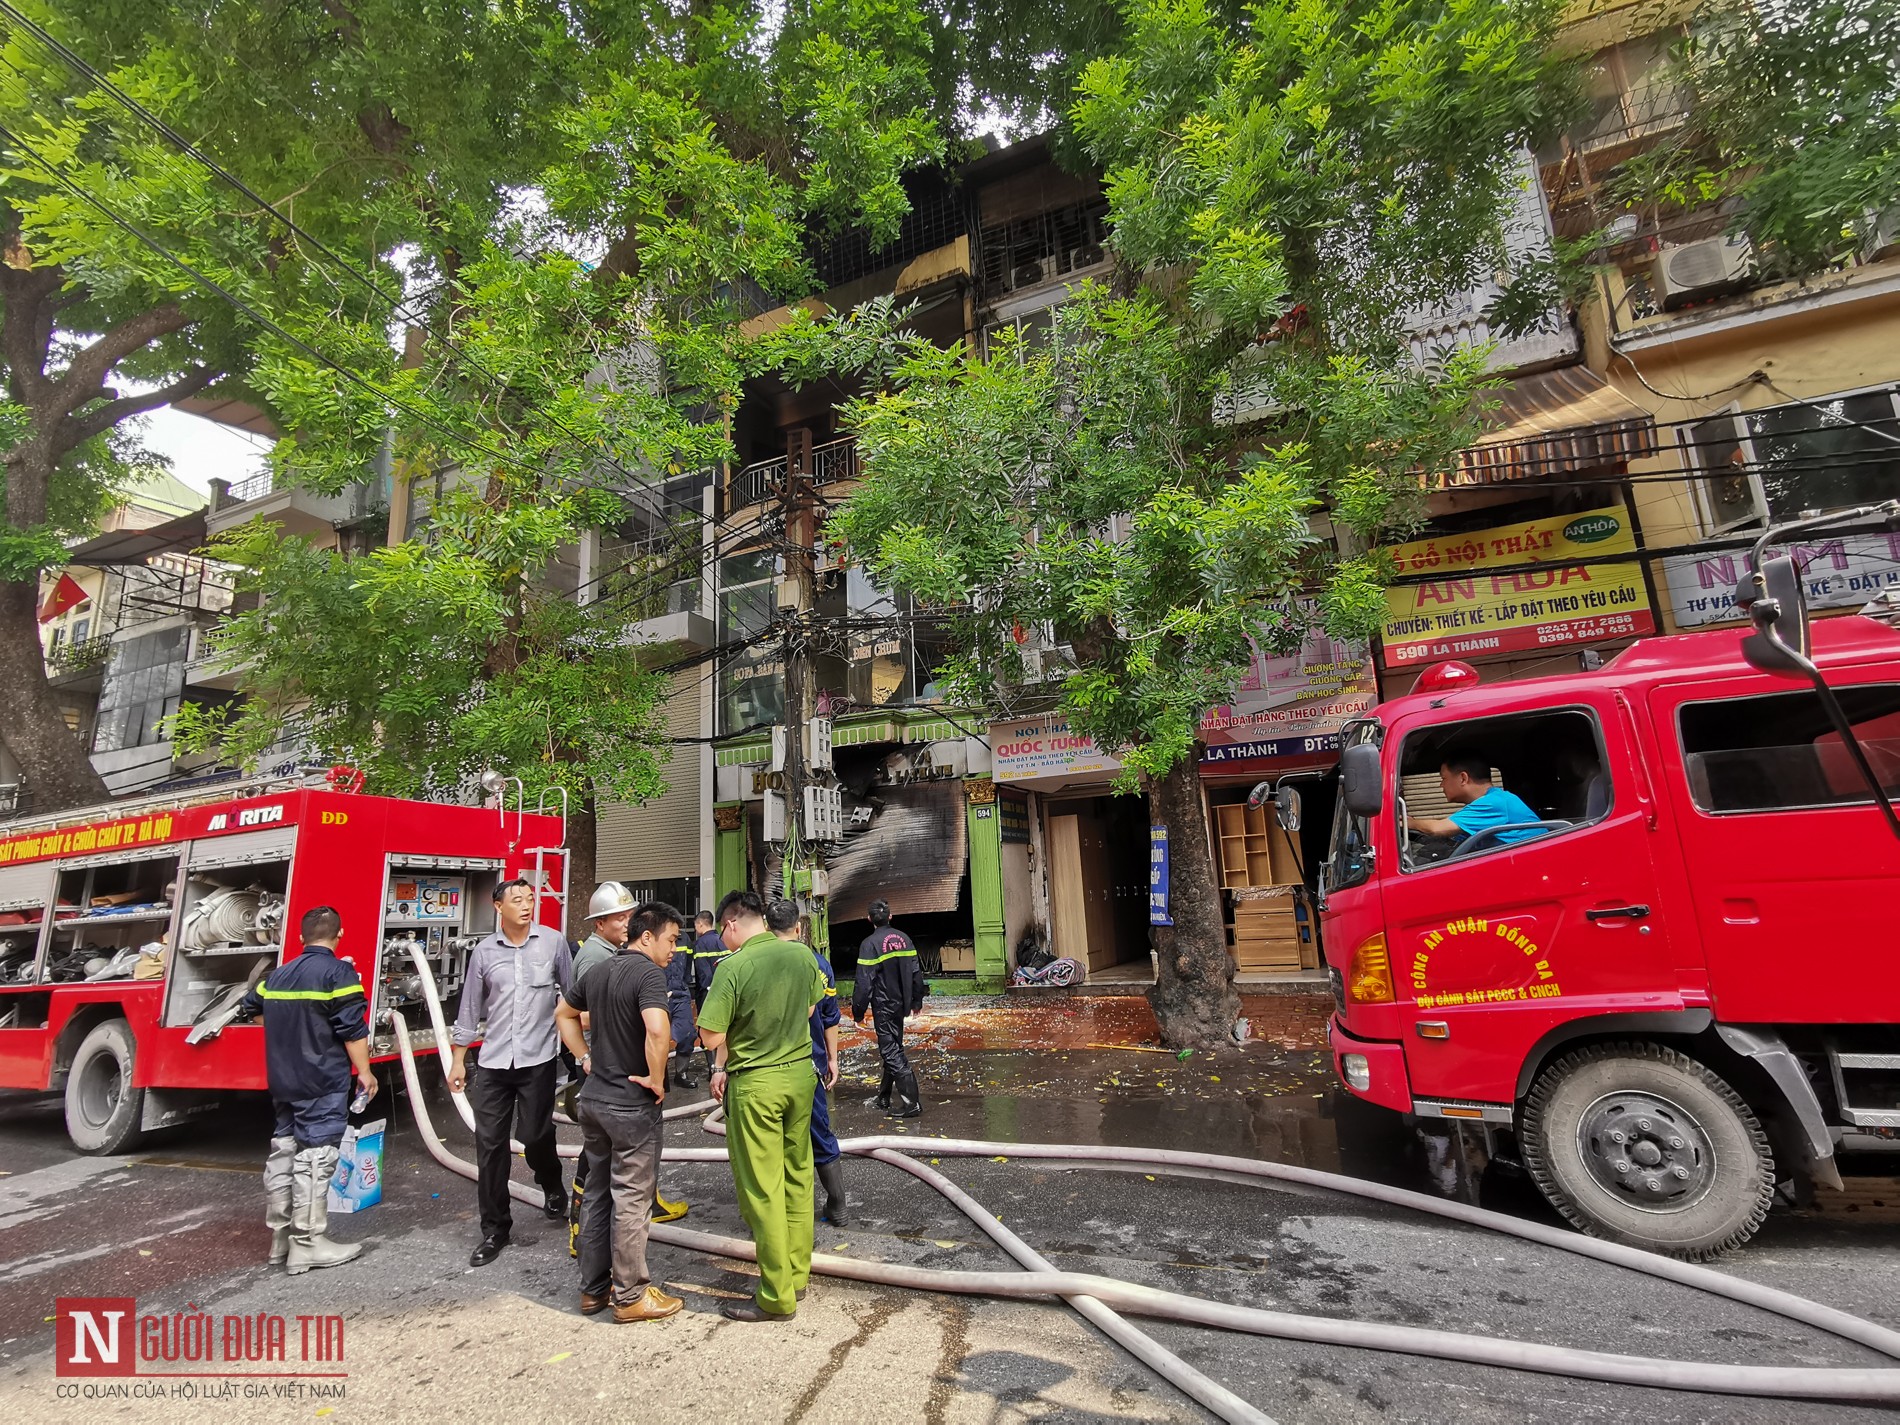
pixel 1775 463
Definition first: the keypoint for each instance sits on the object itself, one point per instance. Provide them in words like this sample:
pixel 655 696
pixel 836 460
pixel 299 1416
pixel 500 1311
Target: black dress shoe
pixel 489 1250
pixel 750 1311
pixel 554 1203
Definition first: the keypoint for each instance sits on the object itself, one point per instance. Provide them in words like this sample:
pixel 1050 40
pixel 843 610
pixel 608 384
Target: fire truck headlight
pixel 1357 1071
pixel 1370 979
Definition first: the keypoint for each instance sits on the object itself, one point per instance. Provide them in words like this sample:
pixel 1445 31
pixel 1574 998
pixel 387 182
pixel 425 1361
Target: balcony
pixel 207 667
pixel 75 664
pixel 831 463
pixel 295 510
pixel 660 585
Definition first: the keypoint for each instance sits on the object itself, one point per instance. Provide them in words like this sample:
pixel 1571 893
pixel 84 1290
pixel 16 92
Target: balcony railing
pixel 831 462
pixel 254 488
pixel 81 657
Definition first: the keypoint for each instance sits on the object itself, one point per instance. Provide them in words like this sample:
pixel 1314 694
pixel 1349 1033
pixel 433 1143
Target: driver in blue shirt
pixel 1465 779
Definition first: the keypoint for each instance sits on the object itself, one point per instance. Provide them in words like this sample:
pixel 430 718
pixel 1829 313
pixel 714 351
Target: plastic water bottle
pixel 360 1102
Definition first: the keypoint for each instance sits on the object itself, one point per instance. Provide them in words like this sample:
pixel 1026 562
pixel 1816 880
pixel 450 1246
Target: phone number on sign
pixel 1584 630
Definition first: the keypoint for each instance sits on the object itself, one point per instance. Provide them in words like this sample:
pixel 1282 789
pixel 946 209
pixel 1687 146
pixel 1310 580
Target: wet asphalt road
pixel 178 1223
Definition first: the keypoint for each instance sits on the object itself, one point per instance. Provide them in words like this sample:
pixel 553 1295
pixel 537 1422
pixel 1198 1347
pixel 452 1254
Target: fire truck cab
pixel 1676 986
pixel 129 932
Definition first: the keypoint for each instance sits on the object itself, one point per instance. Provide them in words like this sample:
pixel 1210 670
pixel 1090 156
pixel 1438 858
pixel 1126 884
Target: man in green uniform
pixel 756 1021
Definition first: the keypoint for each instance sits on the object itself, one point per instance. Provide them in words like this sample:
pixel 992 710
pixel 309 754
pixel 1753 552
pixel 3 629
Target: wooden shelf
pixel 1254 849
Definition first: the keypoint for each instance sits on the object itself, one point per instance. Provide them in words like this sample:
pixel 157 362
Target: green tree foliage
pixel 566 198
pixel 1281 193
pixel 380 125
pixel 1793 119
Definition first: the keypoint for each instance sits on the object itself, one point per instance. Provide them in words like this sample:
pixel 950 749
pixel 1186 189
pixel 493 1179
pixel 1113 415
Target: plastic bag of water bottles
pixel 358 1180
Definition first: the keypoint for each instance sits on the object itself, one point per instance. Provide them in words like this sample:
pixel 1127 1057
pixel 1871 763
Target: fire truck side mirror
pixel 1286 807
pixel 1359 779
pixel 1774 601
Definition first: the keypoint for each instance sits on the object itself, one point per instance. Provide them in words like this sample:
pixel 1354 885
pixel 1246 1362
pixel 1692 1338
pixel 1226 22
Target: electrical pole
pixel 804 847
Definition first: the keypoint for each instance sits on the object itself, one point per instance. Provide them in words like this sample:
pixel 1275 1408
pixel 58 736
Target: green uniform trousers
pixel 768 1138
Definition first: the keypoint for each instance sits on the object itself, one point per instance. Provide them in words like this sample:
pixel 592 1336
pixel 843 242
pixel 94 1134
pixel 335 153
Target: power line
pixel 267 323
pixel 399 305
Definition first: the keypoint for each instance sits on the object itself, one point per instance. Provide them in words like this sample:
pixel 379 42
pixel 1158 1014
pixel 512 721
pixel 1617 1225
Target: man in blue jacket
pixel 316 1038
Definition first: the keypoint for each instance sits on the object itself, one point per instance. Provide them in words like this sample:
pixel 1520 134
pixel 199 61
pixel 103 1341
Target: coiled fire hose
pixel 1791 1382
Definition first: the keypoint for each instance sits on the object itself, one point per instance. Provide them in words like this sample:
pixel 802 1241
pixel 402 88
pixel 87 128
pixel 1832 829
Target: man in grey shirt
pixel 515 978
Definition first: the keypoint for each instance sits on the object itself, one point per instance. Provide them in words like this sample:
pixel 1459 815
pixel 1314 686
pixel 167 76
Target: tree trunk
pixel 1194 999
pixel 56 769
pixel 582 843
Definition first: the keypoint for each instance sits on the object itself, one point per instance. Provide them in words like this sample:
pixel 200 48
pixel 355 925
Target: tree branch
pixel 26 327
pixel 85 376
pixel 75 430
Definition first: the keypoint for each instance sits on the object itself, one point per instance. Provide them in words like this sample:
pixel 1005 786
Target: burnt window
pixel 1779 751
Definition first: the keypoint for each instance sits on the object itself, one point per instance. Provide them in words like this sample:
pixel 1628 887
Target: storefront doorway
pixel 1098 878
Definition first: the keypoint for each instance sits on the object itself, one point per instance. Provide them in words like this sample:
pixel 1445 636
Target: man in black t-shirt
pixel 619 1110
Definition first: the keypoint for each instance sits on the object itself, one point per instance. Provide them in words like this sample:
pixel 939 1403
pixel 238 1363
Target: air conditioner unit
pixel 1883 235
pixel 1090 254
pixel 1028 274
pixel 1704 269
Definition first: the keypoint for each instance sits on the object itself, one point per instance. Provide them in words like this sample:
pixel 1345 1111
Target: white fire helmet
pixel 611 899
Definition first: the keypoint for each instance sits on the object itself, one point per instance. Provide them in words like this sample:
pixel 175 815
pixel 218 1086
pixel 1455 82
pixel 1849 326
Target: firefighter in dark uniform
pixel 679 1006
pixel 890 983
pixel 709 948
pixel 316 1040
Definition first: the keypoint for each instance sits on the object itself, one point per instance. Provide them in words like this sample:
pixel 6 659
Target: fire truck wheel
pixel 1639 1144
pixel 102 1108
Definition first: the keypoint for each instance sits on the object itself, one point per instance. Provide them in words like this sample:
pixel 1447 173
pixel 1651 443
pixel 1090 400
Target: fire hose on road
pixel 1098 1298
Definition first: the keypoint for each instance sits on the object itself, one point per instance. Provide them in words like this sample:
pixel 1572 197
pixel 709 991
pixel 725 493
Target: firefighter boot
pixel 277 1171
pixel 832 1176
pixel 882 1102
pixel 907 1104
pixel 310 1214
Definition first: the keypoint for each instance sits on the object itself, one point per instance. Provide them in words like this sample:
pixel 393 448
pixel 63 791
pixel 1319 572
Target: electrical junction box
pixel 818 744
pixel 824 814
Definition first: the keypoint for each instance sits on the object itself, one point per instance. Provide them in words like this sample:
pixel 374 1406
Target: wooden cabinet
pixel 1254 849
pixel 1260 870
pixel 1081 890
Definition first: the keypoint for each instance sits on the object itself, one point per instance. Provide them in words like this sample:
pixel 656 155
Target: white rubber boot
pixel 277 1171
pixel 310 1215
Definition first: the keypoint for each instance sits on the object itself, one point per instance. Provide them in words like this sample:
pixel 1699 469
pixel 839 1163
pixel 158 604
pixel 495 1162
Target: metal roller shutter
pixel 659 840
pixel 24 887
pixel 244 849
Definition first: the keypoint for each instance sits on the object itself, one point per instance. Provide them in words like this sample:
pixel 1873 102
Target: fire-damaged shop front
pixel 1095 868
pixel 921 830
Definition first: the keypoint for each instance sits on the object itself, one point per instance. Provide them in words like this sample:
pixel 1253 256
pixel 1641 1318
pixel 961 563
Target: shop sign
pixel 1292 705
pixel 1046 746
pixel 1012 809
pixel 1836 573
pixel 1470 613
pixel 1158 876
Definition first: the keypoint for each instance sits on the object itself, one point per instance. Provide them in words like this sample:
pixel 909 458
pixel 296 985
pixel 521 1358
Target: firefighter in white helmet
pixel 608 912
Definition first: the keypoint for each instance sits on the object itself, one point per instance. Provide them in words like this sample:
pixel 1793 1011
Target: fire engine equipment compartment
pixel 229 874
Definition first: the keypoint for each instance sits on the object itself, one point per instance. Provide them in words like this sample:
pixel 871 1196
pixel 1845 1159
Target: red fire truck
pixel 1677 986
pixel 129 931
